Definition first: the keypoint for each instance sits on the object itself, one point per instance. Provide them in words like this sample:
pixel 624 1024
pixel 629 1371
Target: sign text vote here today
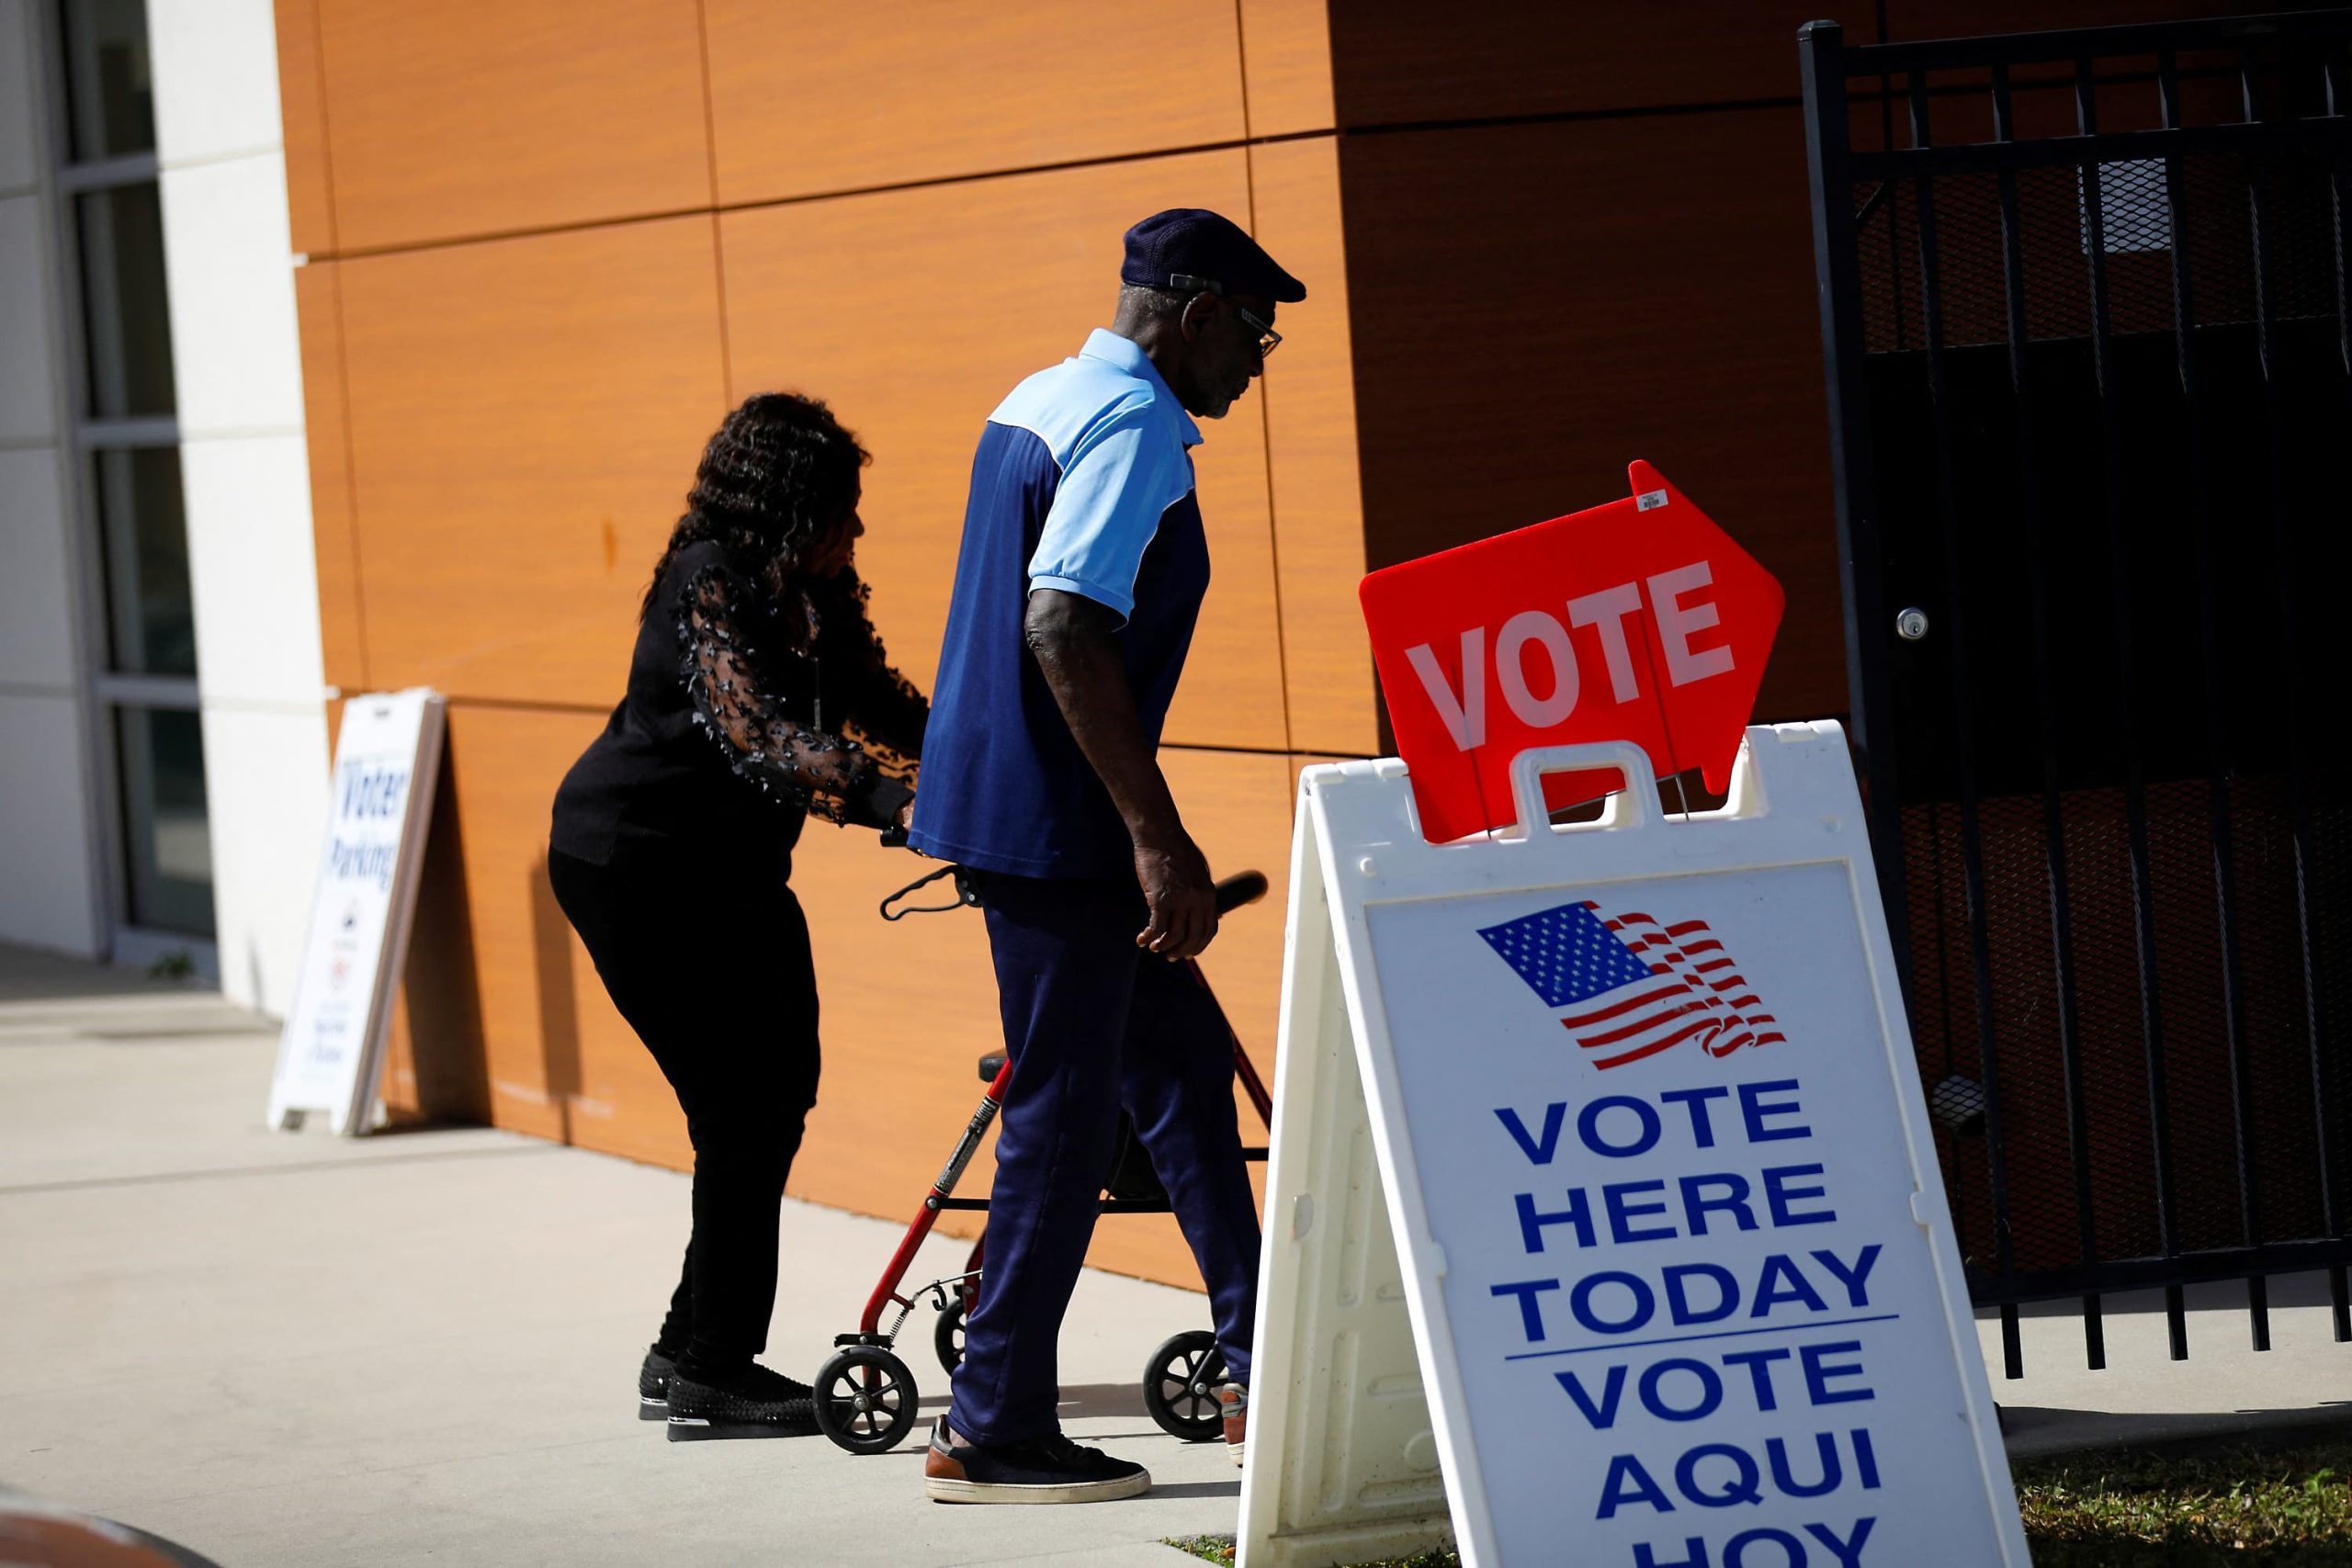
pixel 1690 1297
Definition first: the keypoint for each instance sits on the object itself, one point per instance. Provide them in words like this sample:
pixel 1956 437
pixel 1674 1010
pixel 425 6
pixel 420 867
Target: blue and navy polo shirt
pixel 1084 481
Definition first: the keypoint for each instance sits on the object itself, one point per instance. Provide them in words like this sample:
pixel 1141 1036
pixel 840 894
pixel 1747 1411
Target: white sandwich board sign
pixel 330 1056
pixel 1657 1203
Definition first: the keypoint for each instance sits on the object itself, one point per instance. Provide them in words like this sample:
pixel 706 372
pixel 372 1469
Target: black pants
pixel 714 973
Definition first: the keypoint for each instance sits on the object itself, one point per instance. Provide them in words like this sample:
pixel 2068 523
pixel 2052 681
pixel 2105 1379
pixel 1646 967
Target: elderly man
pixel 1081 577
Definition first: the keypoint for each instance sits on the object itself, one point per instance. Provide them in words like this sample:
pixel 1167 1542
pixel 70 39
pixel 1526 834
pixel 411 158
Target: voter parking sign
pixel 330 1054
pixel 1667 1223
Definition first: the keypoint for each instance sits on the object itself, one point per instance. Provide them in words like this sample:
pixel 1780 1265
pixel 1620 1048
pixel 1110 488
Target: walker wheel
pixel 1180 1386
pixel 947 1336
pixel 865 1399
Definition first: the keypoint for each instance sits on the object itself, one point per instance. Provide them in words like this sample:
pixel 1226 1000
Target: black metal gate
pixel 2083 304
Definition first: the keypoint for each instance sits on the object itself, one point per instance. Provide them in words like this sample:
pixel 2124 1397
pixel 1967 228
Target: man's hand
pixel 1181 896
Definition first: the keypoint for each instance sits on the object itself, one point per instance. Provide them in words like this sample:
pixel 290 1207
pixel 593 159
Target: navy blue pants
pixel 1094 1024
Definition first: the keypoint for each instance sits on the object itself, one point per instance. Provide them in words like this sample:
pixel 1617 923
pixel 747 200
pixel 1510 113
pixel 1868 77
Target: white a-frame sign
pixel 1604 1215
pixel 331 1054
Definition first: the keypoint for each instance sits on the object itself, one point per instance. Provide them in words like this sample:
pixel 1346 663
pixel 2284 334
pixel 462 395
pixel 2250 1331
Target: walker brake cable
pixel 967 896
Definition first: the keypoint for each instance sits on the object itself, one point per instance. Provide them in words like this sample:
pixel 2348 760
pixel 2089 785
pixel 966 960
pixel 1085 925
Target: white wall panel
pixel 20 154
pixel 236 354
pixel 216 78
pixel 252 572
pixel 36 580
pixel 267 773
pixel 28 404
pixel 47 896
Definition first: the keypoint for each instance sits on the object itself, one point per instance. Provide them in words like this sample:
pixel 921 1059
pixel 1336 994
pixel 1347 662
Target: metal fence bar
pixel 2287 564
pixel 2219 764
pixel 2143 906
pixel 2112 147
pixel 2054 811
pixel 1971 848
pixel 2131 39
pixel 1837 278
pixel 2337 68
pixel 2221 1264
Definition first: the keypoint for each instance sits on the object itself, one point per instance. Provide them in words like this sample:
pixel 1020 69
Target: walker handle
pixel 1241 887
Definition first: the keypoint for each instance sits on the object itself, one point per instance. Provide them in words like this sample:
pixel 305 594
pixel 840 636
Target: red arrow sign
pixel 1640 621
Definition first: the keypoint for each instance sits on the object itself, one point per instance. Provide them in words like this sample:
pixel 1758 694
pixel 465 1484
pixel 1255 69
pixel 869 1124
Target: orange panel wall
pixel 1308 398
pixel 309 184
pixel 319 311
pixel 550 244
pixel 524 418
pixel 1287 66
pixel 551 240
pixel 452 118
pixel 808 99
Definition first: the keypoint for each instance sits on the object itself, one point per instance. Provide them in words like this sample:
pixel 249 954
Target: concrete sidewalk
pixel 289 1349
pixel 2224 1388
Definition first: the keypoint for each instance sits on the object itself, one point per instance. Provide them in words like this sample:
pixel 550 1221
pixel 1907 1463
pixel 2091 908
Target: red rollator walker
pixel 866 1395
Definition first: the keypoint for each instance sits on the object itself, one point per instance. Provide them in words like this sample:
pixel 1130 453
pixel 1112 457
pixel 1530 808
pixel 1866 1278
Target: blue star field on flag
pixel 1565 953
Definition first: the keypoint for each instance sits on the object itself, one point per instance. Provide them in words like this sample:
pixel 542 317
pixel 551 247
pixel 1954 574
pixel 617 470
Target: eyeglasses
pixel 1269 340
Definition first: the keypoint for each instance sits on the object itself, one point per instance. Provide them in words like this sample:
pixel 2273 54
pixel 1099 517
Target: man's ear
pixel 1198 310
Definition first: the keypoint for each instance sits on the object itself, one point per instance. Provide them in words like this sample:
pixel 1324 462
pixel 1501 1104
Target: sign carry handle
pixel 1633 806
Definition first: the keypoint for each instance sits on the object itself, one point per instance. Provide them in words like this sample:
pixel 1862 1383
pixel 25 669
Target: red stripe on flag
pixel 1641 1025
pixel 1581 1019
pixel 1654 1047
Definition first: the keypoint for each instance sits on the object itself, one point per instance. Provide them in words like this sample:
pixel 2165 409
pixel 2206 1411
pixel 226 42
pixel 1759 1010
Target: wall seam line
pixel 350 482
pixel 342 370
pixel 718 238
pixel 445 242
pixel 1265 419
pixel 326 122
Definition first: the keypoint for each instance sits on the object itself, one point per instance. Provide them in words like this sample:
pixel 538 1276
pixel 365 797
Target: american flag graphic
pixel 1629 987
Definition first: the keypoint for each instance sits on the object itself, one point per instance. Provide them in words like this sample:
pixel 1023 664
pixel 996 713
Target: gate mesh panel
pixel 2167 518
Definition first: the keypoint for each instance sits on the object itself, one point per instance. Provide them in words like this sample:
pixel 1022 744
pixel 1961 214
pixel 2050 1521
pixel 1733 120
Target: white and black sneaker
pixel 1049 1470
pixel 653 1385
pixel 753 1402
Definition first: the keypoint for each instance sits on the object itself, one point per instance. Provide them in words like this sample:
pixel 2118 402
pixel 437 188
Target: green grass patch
pixel 2233 1505
pixel 2279 1508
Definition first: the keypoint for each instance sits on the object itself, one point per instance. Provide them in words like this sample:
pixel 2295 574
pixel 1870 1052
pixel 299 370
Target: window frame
pixel 102 692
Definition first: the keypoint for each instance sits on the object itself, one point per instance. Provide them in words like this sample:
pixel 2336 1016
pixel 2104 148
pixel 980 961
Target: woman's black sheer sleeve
pixel 828 776
pixel 882 709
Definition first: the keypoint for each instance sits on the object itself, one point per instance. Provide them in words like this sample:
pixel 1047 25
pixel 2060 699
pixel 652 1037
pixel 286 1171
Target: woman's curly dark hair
pixel 773 482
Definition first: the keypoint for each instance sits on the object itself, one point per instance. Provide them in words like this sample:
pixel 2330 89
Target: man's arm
pixel 1071 636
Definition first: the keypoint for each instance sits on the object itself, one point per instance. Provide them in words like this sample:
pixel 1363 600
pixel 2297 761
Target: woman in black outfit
pixel 758 694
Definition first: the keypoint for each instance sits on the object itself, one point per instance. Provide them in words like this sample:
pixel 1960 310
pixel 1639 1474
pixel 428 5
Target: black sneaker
pixel 1050 1470
pixel 653 1385
pixel 755 1402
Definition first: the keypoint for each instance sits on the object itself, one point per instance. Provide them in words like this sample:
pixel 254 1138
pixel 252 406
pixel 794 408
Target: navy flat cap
pixel 1191 249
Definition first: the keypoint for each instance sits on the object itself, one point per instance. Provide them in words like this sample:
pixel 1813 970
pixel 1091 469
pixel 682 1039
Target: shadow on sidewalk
pixel 2037 1431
